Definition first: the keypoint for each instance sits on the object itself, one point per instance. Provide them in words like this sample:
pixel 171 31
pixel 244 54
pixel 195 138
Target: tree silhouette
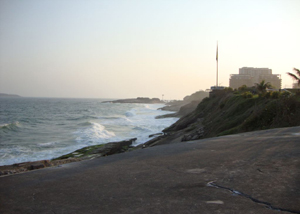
pixel 262 86
pixel 295 77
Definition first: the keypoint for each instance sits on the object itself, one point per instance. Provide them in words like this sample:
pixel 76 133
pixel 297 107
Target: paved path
pixel 231 174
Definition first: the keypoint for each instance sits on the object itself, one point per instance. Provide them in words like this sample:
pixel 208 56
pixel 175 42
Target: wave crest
pixel 94 134
pixel 10 126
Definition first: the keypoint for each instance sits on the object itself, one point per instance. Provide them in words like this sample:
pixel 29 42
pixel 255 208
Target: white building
pixel 249 76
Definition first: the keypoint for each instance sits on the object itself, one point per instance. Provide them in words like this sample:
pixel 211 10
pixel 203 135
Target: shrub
pixel 275 94
pixel 228 89
pixel 242 88
pixel 284 94
pixel 247 94
pixel 267 94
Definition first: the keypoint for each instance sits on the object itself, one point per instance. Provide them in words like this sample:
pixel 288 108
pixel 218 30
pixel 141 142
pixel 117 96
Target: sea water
pixel 34 129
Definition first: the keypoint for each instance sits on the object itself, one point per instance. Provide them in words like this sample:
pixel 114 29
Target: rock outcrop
pixel 78 155
pixel 196 135
pixel 28 166
pixel 99 150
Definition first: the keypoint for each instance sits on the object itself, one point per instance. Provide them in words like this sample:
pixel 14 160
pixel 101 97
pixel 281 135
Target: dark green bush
pixel 247 94
pixel 284 94
pixel 228 89
pixel 242 88
pixel 267 94
pixel 275 94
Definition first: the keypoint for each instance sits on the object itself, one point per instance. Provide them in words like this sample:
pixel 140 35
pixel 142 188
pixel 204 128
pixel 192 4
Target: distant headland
pixel 9 95
pixel 137 100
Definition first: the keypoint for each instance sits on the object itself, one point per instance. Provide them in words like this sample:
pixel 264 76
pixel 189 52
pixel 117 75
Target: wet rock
pixel 151 142
pixel 114 147
pixel 157 134
pixel 78 155
pixel 99 150
pixel 37 165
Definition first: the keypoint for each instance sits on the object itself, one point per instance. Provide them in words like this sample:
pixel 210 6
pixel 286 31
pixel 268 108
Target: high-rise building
pixel 249 76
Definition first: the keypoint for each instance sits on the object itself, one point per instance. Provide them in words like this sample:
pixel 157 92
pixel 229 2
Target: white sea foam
pixel 11 126
pixel 94 134
pixel 102 123
pixel 14 154
pixel 4 125
pixel 48 144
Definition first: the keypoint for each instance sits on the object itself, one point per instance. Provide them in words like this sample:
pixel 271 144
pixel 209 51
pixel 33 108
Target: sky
pixel 140 48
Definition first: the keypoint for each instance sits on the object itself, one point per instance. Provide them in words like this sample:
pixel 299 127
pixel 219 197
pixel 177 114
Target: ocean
pixel 34 129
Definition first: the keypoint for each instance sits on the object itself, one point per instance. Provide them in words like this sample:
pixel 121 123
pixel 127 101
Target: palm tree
pixel 262 86
pixel 295 77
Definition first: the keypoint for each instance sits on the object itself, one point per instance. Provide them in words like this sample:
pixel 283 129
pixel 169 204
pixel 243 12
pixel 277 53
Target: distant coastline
pixel 9 95
pixel 137 100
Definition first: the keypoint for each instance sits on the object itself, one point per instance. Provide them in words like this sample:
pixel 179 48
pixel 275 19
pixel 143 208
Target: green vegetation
pixel 100 150
pixel 245 113
pixel 241 111
pixel 253 113
pixel 263 86
pixel 247 94
pixel 80 152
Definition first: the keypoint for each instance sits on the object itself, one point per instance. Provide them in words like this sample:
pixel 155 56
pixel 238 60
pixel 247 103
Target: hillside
pixel 234 112
pixel 176 105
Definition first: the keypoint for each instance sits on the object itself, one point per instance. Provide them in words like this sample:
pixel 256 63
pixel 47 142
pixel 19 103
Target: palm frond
pixel 293 76
pixel 297 71
pixel 263 85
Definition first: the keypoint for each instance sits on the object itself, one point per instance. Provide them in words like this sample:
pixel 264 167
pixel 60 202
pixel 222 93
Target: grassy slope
pixel 230 113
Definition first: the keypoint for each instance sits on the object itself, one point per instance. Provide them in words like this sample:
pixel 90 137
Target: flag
pixel 217 53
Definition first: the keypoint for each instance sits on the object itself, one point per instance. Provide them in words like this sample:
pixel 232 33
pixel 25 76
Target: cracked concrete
pixel 268 205
pixel 169 179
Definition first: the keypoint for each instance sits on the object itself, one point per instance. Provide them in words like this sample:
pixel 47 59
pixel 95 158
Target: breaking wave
pixel 10 126
pixel 42 128
pixel 94 134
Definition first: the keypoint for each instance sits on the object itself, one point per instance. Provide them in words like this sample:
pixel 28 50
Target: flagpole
pixel 217 64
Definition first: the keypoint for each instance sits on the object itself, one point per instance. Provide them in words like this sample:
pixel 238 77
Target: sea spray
pixel 41 128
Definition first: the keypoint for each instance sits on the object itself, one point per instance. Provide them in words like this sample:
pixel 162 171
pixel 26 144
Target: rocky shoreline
pixel 86 153
pixel 182 108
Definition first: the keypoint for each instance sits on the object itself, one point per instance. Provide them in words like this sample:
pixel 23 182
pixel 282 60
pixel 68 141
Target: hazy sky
pixel 130 48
